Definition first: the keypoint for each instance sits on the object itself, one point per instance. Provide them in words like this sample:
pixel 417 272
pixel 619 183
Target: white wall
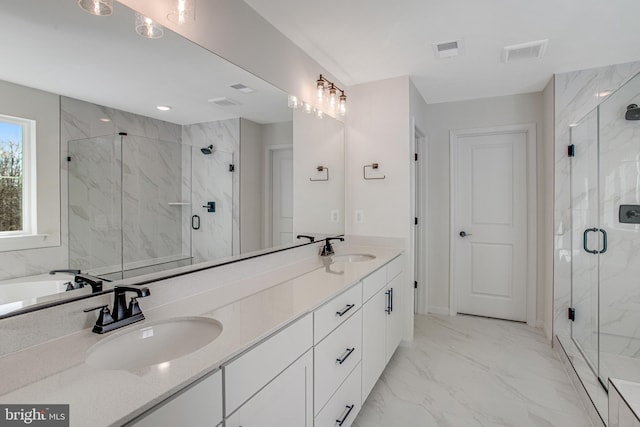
pixel 379 130
pixel 317 142
pixel 251 159
pixel 442 118
pixel 545 207
pixel 44 108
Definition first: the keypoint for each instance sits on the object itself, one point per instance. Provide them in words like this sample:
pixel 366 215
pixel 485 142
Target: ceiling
pixel 57 47
pixel 359 41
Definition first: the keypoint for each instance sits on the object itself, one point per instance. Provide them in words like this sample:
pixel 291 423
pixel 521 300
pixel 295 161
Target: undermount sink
pixel 154 343
pixel 352 257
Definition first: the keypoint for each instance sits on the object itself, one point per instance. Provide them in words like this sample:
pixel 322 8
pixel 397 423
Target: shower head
pixel 207 150
pixel 633 112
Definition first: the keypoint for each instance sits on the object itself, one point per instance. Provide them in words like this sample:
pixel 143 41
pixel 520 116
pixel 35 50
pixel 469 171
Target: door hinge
pixel 415 157
pixel 232 168
pixel 571 150
pixel 415 221
pixel 571 314
pixel 415 284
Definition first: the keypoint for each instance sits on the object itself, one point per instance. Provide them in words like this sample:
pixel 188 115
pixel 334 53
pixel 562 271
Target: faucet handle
pixel 105 315
pixel 134 308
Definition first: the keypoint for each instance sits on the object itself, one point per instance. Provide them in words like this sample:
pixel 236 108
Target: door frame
pixel 529 129
pixel 267 193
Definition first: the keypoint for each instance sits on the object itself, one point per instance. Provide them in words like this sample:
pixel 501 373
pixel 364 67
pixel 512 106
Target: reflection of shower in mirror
pixel 207 150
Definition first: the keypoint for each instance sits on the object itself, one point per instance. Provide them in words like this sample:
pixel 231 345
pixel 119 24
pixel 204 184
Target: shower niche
pixel 605 235
pixel 134 201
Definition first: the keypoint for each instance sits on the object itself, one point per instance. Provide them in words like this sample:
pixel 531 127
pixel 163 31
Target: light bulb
pixel 181 11
pixel 97 7
pixel 332 96
pixel 320 87
pixel 146 27
pixel 308 108
pixel 342 108
pixel 292 101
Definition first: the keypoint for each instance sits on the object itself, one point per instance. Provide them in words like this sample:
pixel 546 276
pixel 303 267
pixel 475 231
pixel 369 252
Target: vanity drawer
pixel 335 357
pixel 332 314
pixel 254 369
pixel 373 283
pixel 394 268
pixel 344 405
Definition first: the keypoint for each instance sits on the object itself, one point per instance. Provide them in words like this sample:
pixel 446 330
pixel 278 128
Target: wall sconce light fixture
pixel 97 7
pixel 181 11
pixel 323 86
pixel 148 28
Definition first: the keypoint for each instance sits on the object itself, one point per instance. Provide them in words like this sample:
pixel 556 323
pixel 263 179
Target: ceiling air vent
pixel 524 51
pixel 242 88
pixel 447 49
pixel 224 102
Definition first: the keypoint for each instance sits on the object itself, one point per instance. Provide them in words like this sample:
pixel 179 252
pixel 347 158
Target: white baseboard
pixel 444 311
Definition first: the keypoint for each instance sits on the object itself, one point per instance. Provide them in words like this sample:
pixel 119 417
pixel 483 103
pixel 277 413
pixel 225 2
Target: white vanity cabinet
pixel 284 402
pixel 381 321
pixel 199 405
pixel 272 384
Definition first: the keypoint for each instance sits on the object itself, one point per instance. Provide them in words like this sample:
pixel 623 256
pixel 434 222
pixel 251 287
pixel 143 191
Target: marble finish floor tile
pixel 467 371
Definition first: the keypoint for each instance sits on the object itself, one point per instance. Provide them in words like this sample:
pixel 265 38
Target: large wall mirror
pixel 145 154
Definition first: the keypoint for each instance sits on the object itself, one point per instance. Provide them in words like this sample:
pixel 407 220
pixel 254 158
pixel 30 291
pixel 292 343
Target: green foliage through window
pixel 11 176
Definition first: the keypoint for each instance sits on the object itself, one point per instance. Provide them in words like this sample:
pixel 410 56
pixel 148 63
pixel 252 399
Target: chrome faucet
pixel 327 248
pixel 121 315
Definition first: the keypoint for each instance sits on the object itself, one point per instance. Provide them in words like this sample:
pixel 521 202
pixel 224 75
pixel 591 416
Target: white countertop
pixel 55 372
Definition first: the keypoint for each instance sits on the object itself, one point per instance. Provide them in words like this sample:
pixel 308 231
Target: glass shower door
pixel 619 267
pixel 212 182
pixel 95 205
pixel 584 219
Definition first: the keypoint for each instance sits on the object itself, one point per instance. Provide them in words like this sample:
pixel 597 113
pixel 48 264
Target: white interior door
pixel 282 196
pixel 489 219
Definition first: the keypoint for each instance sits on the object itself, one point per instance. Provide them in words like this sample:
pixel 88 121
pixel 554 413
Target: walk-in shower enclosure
pixel 605 236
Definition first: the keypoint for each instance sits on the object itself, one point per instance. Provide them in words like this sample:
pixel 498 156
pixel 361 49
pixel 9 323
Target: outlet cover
pixel 359 216
pixel 335 215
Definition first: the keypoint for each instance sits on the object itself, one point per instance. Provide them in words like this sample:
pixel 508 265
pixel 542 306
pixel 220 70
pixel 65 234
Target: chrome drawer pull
pixel 343 312
pixel 346 355
pixel 344 418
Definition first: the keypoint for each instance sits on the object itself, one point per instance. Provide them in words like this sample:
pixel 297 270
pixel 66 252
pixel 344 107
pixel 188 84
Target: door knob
pixel 464 234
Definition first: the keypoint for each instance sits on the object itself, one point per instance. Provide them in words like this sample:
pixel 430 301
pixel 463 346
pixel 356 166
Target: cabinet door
pixel 394 319
pixel 287 401
pixel 374 320
pixel 199 405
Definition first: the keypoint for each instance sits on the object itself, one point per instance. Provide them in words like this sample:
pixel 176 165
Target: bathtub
pixel 25 291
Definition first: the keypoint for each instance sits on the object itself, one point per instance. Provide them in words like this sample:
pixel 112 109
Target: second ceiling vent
pixel 447 49
pixel 527 50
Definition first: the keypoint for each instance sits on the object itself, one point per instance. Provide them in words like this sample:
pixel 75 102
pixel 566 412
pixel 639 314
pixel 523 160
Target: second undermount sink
pixel 154 343
pixel 352 257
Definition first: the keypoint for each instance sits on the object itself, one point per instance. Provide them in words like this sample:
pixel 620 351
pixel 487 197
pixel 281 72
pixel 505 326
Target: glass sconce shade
pixel 97 7
pixel 148 28
pixel 181 11
pixel 342 107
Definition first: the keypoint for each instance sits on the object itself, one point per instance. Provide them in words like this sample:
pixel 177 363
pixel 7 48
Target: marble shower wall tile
pixel 219 232
pixel 575 96
pixel 151 175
